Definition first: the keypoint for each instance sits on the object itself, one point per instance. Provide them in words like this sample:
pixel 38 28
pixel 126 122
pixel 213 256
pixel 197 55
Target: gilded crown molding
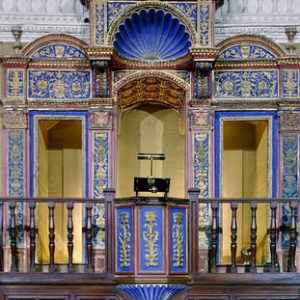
pixel 100 53
pixel 204 53
pixel 60 64
pixel 15 61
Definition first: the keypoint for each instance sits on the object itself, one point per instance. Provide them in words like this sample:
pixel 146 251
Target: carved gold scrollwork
pixel 177 239
pixel 125 239
pixel 150 236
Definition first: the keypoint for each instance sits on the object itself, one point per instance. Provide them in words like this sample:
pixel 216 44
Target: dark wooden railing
pixel 10 230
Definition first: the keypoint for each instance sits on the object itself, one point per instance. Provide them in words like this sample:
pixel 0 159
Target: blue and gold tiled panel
pixel 178 240
pixel 59 85
pixel 246 52
pixel 290 83
pixel 246 84
pixel 151 243
pixel 58 51
pixel 124 240
pixel 15 83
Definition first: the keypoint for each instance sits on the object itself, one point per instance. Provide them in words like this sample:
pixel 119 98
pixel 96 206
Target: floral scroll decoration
pixel 150 236
pixel 177 239
pixel 201 181
pixel 290 187
pixel 16 169
pixel 100 182
pixel 59 85
pixel 15 83
pixel 204 24
pixel 178 229
pixel 189 10
pixel 115 10
pixel 290 83
pixel 246 84
pixel 124 239
pixel 100 22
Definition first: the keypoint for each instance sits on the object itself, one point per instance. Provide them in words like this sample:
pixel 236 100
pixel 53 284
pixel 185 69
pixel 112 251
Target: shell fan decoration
pixel 152 36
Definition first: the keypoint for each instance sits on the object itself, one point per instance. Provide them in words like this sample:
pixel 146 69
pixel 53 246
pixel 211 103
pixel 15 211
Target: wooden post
pixel 253 237
pixel 214 238
pixel 273 237
pixel 32 235
pixel 234 208
pixel 89 237
pixel 109 196
pixel 13 236
pixel 293 237
pixel 194 229
pixel 51 206
pixel 70 236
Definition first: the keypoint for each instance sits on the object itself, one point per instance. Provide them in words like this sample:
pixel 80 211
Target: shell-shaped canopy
pixel 152 35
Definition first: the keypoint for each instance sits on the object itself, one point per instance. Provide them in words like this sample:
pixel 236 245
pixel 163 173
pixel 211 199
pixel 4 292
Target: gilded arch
pixel 177 99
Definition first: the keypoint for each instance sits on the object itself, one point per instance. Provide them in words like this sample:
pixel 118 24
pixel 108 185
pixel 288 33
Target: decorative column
pixel 100 125
pixel 15 132
pixel 151 291
pixel 200 133
pixel 290 137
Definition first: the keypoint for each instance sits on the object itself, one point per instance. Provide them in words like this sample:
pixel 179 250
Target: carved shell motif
pixel 152 35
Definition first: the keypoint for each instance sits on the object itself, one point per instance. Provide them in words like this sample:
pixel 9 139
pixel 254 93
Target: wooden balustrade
pixel 10 233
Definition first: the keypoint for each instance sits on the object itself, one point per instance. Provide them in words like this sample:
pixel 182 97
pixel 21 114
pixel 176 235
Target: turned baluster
pixel 32 235
pixel 253 236
pixel 234 207
pixel 51 207
pixel 293 237
pixel 1 237
pixel 13 236
pixel 273 237
pixel 214 238
pixel 89 237
pixel 70 236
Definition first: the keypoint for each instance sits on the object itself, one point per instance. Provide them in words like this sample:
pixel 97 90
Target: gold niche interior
pixel 150 121
pixel 59 175
pixel 245 175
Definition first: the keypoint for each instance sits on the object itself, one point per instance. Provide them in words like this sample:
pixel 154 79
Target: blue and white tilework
pixel 58 51
pixel 100 23
pixel 204 24
pixel 16 172
pixel 100 182
pixel 115 9
pixel 59 85
pixel 189 10
pixel 15 83
pixel 246 52
pixel 246 84
pixel 290 83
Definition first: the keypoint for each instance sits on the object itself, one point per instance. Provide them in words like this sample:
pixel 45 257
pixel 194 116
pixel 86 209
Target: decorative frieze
pixel 289 121
pixel 246 84
pixel 100 23
pixel 204 24
pixel 59 85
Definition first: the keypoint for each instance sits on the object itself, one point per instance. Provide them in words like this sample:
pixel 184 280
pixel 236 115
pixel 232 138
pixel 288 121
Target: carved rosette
pixel 100 119
pixel 15 119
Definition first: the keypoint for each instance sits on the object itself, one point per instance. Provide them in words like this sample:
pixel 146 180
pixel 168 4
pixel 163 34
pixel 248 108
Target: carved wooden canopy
pixel 151 90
